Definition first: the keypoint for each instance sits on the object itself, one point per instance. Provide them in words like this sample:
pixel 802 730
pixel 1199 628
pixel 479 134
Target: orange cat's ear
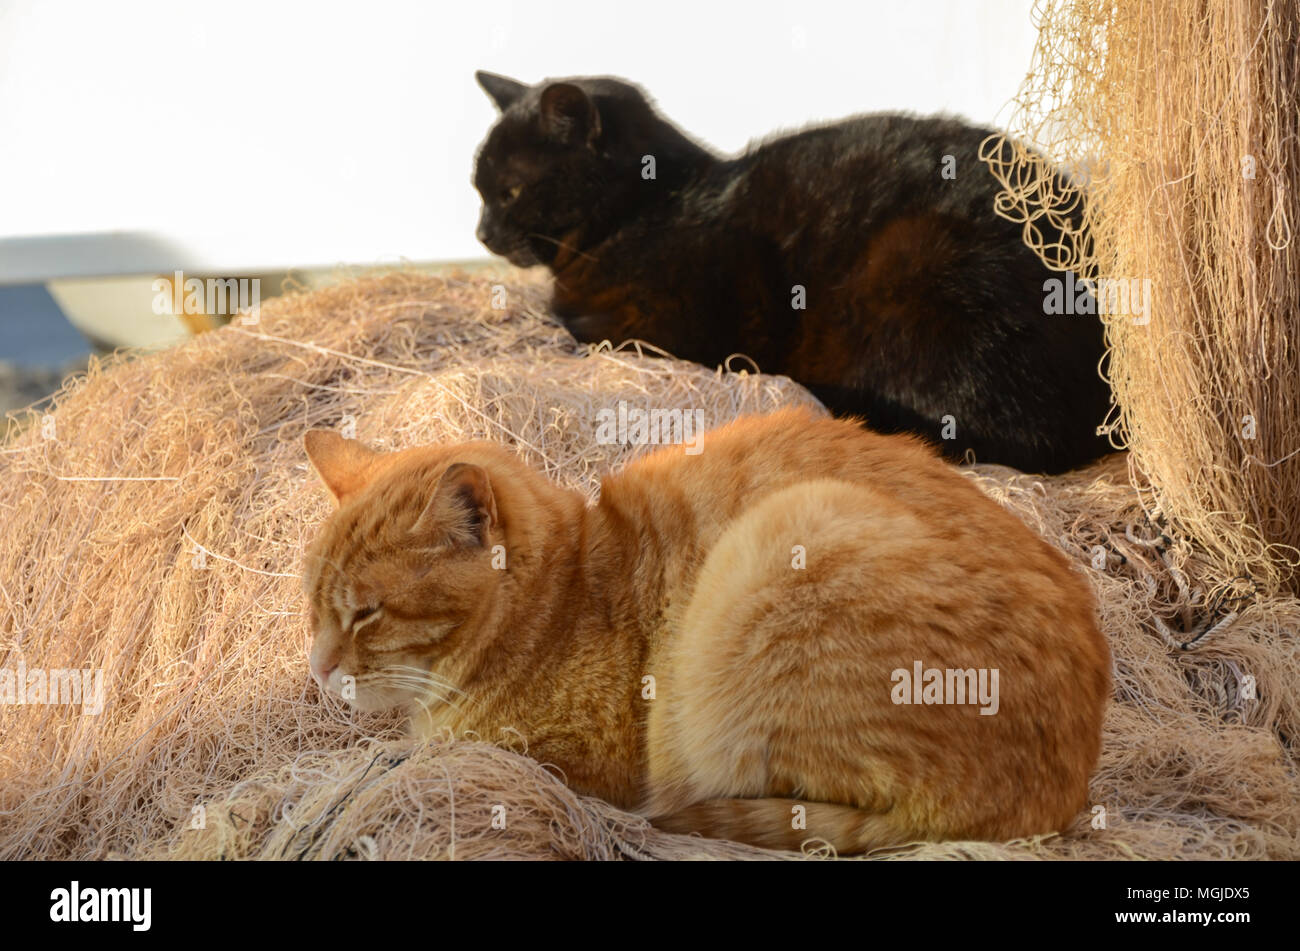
pixel 344 465
pixel 463 503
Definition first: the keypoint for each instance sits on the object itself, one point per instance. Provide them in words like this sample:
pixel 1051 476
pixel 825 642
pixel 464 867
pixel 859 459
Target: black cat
pixel 861 258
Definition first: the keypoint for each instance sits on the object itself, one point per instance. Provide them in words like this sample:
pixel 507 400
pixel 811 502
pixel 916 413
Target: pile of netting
pixel 155 517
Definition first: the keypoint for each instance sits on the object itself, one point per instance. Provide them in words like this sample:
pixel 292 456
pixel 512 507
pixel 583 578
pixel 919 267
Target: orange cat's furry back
pixel 804 631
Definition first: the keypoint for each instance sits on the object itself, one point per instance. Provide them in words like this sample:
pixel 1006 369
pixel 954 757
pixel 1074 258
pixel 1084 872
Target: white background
pixel 229 136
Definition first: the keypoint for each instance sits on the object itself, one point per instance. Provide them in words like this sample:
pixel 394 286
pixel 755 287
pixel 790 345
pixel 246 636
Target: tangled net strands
pixel 155 522
pixel 1183 118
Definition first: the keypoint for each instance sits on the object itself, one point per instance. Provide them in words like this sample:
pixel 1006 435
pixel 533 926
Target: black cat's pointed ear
pixel 503 90
pixel 568 114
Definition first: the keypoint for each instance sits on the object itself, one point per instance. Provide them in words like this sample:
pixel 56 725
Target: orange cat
pixel 807 630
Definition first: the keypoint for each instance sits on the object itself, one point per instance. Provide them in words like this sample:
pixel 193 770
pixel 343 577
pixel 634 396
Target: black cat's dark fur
pixel 920 303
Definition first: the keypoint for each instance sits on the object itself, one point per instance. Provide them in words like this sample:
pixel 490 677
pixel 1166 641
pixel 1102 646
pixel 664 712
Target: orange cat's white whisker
pixel 424 676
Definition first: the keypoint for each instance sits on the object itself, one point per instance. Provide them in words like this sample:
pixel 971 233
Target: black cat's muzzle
pixel 516 251
pixel 521 256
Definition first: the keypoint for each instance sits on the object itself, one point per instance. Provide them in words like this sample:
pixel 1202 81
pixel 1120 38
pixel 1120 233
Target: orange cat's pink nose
pixel 321 669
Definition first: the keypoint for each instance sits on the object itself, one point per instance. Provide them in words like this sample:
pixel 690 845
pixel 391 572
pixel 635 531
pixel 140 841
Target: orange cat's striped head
pixel 400 574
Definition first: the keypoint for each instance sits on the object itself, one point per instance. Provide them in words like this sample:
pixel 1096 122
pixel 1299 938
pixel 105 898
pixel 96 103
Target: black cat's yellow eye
pixel 511 193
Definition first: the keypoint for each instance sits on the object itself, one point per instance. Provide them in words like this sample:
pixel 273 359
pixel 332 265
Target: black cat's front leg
pixel 592 328
pixel 594 324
